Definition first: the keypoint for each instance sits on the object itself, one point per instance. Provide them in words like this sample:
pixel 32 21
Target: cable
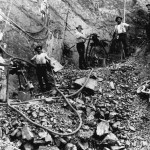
pixel 16 57
pixel 82 86
pixel 38 125
pixel 43 25
pixel 18 27
pixel 8 15
pixel 124 9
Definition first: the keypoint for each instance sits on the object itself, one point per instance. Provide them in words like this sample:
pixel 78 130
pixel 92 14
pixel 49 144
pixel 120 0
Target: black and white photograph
pixel 74 74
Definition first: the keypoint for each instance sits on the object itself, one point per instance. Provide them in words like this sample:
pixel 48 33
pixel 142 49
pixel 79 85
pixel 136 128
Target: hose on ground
pixel 68 96
pixel 40 126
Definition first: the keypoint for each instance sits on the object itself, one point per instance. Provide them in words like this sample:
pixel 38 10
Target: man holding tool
pixel 120 33
pixel 80 40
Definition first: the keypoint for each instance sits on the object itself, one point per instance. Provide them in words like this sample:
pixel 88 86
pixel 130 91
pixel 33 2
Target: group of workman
pixel 41 58
pixel 120 33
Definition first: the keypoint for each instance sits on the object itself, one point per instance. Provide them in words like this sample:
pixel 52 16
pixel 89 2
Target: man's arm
pixel 4 64
pixel 48 58
pixel 127 26
pixel 80 36
pixel 115 33
pixel 33 58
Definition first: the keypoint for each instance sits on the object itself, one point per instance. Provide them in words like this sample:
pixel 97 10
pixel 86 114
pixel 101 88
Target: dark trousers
pixel 148 48
pixel 41 72
pixel 123 39
pixel 81 50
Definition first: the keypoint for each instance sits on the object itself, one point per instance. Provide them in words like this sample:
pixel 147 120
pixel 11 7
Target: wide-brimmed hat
pixel 38 48
pixel 118 18
pixel 79 26
pixel 147 5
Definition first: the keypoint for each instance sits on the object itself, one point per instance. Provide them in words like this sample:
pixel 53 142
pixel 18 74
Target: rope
pixel 124 12
pixel 44 26
pixel 16 57
pixel 18 27
pixel 82 86
pixel 40 126
pixel 8 15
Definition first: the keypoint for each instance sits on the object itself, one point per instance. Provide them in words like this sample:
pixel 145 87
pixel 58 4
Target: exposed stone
pixel 53 148
pixel 42 134
pixel 14 132
pixel 84 145
pixel 44 148
pixel 117 147
pixel 1 133
pixel 91 84
pixel 102 128
pixel 48 138
pixel 41 114
pixel 26 133
pixel 132 128
pixel 85 134
pixel 34 114
pixel 110 139
pixel 91 116
pixel 28 146
pixel 70 146
pixel 116 124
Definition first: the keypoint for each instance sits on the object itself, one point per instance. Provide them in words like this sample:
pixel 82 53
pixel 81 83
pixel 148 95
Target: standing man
pixel 2 78
pixel 41 70
pixel 80 40
pixel 120 33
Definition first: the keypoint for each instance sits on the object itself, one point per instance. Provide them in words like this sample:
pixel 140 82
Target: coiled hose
pixel 51 131
pixel 26 33
pixel 38 125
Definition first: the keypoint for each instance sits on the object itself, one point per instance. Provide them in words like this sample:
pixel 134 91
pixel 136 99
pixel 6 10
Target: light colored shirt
pixel 80 37
pixel 121 28
pixel 40 58
pixel 1 36
pixel 2 61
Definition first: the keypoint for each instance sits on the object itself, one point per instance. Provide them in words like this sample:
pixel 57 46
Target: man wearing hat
pixel 41 70
pixel 80 40
pixel 120 33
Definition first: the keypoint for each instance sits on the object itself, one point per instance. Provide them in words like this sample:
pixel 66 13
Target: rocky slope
pixel 114 117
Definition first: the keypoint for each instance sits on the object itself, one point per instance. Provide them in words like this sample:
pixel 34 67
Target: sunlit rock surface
pixel 96 16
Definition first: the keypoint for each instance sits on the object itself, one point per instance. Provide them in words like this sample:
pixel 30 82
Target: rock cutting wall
pixel 94 15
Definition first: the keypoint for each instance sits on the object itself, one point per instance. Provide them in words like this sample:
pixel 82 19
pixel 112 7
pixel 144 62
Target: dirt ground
pixel 132 110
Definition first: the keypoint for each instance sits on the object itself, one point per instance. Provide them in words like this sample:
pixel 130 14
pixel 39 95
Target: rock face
pixel 94 15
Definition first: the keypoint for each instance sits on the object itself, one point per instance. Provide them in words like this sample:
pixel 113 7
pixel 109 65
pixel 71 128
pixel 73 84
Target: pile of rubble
pixel 107 114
